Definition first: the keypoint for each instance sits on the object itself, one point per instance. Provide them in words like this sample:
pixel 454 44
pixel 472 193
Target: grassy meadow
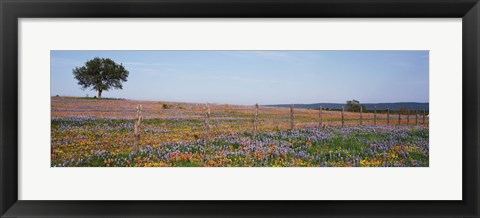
pixel 87 132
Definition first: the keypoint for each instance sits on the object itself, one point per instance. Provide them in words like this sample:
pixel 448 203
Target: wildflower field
pixel 100 133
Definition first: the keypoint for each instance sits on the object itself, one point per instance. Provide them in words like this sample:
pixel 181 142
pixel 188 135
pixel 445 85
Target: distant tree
pixel 354 106
pixel 403 110
pixel 101 74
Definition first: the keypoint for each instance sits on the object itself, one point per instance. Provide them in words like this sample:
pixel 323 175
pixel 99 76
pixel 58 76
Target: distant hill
pixel 370 106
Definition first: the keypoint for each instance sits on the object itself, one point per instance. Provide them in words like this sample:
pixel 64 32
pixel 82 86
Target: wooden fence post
pixel 399 117
pixel 388 116
pixel 255 121
pixel 137 127
pixel 320 117
pixel 423 117
pixel 292 118
pixel 416 117
pixel 408 117
pixel 375 115
pixel 207 123
pixel 342 116
pixel 361 116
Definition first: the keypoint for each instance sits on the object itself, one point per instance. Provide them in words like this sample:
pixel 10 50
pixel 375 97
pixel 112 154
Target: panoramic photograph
pixel 239 108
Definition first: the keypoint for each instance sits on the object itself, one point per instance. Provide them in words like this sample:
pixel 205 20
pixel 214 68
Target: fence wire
pixel 190 123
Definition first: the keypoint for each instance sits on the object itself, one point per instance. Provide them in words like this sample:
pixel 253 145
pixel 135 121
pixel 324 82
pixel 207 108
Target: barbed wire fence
pixel 211 120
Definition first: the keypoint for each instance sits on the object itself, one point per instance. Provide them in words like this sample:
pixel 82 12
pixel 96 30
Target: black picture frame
pixel 12 10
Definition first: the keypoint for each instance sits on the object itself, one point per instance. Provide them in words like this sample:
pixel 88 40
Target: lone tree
pixel 101 74
pixel 354 106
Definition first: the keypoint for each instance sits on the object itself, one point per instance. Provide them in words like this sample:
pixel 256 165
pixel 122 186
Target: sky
pixel 249 77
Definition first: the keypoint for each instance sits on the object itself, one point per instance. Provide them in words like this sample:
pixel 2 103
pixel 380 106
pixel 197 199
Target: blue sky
pixel 249 77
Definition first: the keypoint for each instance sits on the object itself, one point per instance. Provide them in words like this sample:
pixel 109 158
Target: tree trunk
pixel 100 93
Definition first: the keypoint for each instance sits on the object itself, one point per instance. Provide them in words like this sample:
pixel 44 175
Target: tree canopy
pixel 354 106
pixel 101 74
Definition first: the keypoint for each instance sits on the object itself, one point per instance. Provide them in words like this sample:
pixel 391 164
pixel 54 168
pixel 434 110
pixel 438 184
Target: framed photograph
pixel 228 108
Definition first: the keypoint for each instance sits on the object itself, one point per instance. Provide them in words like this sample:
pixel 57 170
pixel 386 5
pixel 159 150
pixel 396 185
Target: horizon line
pixel 117 98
